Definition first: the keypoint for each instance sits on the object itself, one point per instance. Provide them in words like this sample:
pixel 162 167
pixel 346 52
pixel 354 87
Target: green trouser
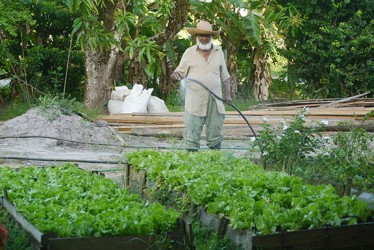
pixel 213 127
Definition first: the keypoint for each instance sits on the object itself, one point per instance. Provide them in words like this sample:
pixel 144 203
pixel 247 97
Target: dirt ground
pixel 53 137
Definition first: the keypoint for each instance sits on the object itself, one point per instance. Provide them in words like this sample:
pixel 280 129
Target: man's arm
pixel 226 85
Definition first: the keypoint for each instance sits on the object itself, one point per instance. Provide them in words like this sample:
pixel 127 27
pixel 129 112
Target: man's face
pixel 204 42
pixel 204 39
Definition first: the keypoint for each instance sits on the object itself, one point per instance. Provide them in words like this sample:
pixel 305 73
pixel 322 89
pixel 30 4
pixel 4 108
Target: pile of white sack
pixel 136 100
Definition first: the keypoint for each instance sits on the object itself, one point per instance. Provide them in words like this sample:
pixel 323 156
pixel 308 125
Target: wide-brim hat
pixel 202 28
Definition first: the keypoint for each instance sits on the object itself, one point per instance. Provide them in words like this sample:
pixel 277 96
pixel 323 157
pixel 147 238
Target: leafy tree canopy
pixel 333 55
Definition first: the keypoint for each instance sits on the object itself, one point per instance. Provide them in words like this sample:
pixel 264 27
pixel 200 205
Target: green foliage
pixel 46 67
pixel 249 28
pixel 14 15
pixel 93 34
pixel 282 87
pixel 350 160
pixel 245 27
pixel 207 239
pixel 35 49
pixel 75 203
pixel 65 105
pixel 17 238
pixel 346 161
pixel 131 29
pixel 12 110
pixel 242 103
pixel 289 145
pixel 333 55
pixel 144 48
pixel 5 94
pixel 46 104
pixel 70 105
pixel 175 100
pixel 249 196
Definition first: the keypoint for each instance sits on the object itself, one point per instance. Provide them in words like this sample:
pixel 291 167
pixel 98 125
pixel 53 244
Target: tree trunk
pixel 262 76
pixel 101 73
pixel 233 68
pixel 103 67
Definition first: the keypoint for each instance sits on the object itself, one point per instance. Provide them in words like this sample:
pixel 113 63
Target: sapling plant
pixel 291 143
pixel 349 161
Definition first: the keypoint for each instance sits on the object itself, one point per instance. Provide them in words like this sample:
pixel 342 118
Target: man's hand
pixel 228 99
pixel 175 76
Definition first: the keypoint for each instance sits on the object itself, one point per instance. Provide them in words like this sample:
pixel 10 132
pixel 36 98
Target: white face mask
pixel 202 46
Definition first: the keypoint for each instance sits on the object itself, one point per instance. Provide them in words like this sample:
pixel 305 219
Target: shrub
pixel 289 145
pixel 349 162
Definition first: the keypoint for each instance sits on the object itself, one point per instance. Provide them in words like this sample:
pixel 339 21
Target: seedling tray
pixel 178 238
pixel 358 236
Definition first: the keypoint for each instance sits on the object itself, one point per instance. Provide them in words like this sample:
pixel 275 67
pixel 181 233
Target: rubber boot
pixel 191 150
pixel 216 147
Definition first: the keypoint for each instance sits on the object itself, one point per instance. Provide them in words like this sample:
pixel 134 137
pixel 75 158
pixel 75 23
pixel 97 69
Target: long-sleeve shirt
pixel 211 72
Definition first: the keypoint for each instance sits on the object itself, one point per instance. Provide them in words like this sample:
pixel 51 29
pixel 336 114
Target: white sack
pixel 119 93
pixel 137 101
pixel 156 105
pixel 115 106
pixel 5 82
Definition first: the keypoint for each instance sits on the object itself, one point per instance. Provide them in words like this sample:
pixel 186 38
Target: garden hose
pixel 60 141
pixel 232 105
pixel 221 99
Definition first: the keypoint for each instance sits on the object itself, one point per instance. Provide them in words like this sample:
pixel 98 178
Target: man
pixel 205 63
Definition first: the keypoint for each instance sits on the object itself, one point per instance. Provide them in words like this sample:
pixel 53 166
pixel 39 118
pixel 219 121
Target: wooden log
pixel 334 103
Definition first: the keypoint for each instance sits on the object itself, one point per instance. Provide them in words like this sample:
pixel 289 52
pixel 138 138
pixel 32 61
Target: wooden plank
pixel 310 112
pixel 358 104
pixel 232 121
pixel 177 239
pixel 177 117
pixel 296 102
pixel 310 103
pixel 129 116
pixel 117 135
pixel 136 180
pixel 237 129
pixel 161 126
pixel 142 119
pixel 360 236
pixel 343 100
pixel 26 225
pixel 103 243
